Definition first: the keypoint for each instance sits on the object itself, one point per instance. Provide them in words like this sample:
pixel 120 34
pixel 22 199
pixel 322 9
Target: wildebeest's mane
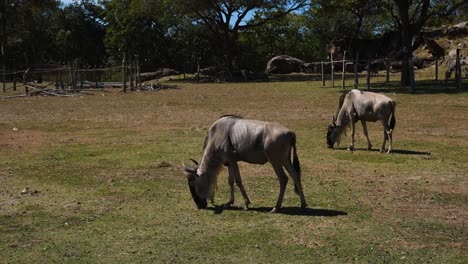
pixel 342 98
pixel 232 116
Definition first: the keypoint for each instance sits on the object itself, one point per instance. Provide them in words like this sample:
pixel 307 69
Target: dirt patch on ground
pixel 23 140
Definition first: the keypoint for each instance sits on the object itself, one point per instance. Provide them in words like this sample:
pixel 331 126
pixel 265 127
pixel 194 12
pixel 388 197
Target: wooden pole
pixel 80 73
pixel 411 68
pixel 198 71
pixel 3 74
pixel 14 75
pixel 356 78
pixel 132 75
pixel 437 68
pixel 72 78
pixel 458 71
pixel 138 72
pixel 368 74
pixel 344 70
pixel 3 56
pixel 57 79
pixel 25 78
pixel 332 70
pixel 124 74
pixel 96 76
pixel 323 75
pixel 387 69
pixel 61 81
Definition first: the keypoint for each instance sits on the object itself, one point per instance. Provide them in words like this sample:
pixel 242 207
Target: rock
pixel 284 64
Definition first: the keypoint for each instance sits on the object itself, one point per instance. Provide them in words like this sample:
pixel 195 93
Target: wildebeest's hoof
pixel 227 205
pixel 274 210
pixel 369 147
pixel 382 150
pixel 350 148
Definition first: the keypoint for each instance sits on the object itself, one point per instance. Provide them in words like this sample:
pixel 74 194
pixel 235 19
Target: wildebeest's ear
pixel 187 169
pixel 333 119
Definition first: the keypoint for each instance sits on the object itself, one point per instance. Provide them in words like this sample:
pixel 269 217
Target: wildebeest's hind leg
pixel 297 182
pixel 364 129
pixel 382 149
pixel 234 171
pixel 390 141
pixel 283 181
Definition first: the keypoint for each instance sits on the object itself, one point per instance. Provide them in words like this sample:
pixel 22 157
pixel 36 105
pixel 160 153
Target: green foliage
pixel 231 34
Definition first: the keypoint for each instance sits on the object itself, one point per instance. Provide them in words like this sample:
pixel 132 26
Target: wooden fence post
pixel 344 70
pixel 25 78
pixel 323 74
pixel 356 77
pixel 132 75
pixel 80 73
pixel 138 72
pixel 14 75
pixel 3 66
pixel 332 70
pixel 458 71
pixel 61 80
pixel 368 74
pixel 411 68
pixel 72 77
pixel 96 76
pixel 124 75
pixel 387 70
pixel 57 79
pixel 198 71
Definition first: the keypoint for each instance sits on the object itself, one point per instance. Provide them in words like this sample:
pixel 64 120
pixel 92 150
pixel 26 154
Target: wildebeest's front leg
pixel 234 171
pixel 353 126
pixel 231 185
pixel 364 129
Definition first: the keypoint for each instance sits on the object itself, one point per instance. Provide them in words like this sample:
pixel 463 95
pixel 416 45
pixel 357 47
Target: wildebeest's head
pixel 193 182
pixel 333 134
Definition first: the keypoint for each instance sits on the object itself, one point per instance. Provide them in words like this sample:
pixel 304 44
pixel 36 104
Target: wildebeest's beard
pixel 192 177
pixel 330 143
pixel 200 202
pixel 334 135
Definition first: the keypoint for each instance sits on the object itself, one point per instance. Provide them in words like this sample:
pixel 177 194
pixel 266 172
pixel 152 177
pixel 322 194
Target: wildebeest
pixel 364 106
pixel 231 139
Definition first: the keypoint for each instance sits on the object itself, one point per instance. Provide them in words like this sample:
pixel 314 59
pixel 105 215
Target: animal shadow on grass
pixel 395 151
pixel 218 209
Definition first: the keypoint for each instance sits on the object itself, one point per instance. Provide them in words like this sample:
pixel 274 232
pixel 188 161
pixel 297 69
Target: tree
pixel 226 19
pixel 79 33
pixel 137 28
pixel 287 35
pixel 409 17
pixel 27 25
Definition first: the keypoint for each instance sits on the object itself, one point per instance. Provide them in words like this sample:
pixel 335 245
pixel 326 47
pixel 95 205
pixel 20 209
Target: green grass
pixel 105 184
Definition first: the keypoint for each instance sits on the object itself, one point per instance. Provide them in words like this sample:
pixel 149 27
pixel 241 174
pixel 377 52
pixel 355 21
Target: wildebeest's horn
pixel 194 161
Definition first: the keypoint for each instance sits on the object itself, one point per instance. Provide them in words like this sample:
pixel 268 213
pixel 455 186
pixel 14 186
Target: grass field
pixel 104 180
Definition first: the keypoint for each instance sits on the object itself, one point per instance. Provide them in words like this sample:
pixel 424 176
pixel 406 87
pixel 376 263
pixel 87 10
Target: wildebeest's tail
pixel 392 119
pixel 296 164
